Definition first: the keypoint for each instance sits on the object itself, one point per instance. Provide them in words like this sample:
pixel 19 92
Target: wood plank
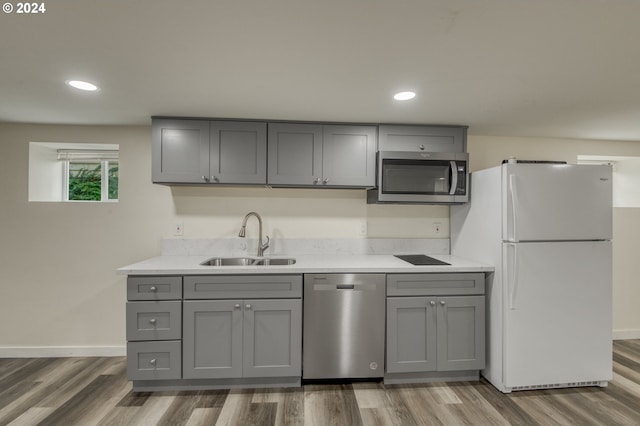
pixel 95 391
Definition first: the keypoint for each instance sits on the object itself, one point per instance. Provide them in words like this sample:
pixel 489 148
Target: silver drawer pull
pixel 442 302
pixel 247 306
pixel 152 361
pixel 432 303
pixel 236 306
pixel 152 321
pixel 153 288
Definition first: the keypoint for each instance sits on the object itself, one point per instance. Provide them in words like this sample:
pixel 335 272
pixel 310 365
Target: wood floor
pixel 95 391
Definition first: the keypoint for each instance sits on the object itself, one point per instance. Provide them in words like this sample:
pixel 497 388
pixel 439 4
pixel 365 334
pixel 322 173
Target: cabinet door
pixel 212 339
pixel 180 151
pixel 423 138
pixel 411 334
pixel 349 155
pixel 272 338
pixel 295 154
pixel 461 333
pixel 238 152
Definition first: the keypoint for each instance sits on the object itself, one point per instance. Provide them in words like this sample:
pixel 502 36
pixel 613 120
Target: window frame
pixel 104 181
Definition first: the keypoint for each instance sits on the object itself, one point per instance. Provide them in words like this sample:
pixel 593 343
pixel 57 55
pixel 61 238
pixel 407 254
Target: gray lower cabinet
pixel 209 152
pixel 318 155
pixel 439 333
pixel 435 333
pixel 422 138
pixel 242 338
pixel 154 327
pixel 242 326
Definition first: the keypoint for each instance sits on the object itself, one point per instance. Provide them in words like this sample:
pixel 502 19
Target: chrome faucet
pixel 243 230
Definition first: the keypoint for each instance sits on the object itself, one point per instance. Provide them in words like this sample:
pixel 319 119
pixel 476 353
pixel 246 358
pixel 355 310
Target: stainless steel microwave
pixel 421 177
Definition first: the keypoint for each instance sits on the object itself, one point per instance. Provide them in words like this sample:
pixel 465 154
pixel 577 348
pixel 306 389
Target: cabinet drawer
pixel 242 286
pixel 154 320
pixel 435 284
pixel 154 288
pixel 154 360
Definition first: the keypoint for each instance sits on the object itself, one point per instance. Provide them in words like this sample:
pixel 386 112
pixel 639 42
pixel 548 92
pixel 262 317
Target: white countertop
pixel 317 263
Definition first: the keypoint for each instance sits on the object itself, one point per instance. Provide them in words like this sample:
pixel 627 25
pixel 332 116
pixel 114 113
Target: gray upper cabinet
pixel 202 151
pixel 238 152
pixel 321 155
pixel 349 155
pixel 180 151
pixel 422 138
pixel 295 154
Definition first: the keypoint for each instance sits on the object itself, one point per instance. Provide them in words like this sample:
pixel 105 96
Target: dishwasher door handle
pixel 333 287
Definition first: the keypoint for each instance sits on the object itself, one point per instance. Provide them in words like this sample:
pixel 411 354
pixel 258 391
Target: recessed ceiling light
pixel 83 85
pixel 404 96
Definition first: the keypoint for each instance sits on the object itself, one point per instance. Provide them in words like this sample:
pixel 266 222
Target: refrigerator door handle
pixel 512 286
pixel 454 177
pixel 514 203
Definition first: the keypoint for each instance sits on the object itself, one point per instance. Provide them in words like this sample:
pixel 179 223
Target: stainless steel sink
pixel 277 261
pixel 247 261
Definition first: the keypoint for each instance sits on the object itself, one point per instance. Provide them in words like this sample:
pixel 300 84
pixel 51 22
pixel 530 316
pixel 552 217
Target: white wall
pixel 45 173
pixel 59 289
pixel 626 178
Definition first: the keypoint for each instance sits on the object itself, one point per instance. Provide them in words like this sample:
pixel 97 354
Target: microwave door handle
pixel 454 177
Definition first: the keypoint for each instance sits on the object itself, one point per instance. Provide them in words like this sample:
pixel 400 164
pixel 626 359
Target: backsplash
pixel 299 246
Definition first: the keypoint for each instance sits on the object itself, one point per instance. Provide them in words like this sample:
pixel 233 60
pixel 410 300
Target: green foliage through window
pixel 86 181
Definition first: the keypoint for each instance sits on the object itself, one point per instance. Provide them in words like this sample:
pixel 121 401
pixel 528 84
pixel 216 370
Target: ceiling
pixel 531 68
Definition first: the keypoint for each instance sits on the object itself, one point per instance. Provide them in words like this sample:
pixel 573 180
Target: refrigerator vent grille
pixel 559 385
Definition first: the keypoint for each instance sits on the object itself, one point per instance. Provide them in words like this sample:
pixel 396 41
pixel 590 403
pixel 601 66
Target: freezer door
pixel 557 312
pixel 556 202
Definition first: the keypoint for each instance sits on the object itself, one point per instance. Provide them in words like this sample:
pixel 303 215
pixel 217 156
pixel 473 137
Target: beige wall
pixel 58 286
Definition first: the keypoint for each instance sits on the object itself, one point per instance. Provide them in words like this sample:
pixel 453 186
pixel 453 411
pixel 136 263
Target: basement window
pixel 89 175
pixel 73 172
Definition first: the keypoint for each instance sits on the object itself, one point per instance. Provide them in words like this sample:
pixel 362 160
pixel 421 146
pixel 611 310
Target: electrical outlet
pixel 179 229
pixel 437 228
pixel 363 228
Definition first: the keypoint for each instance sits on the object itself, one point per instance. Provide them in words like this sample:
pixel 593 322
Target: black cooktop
pixel 420 259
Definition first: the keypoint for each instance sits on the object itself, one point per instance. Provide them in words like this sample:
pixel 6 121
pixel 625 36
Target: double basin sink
pixel 248 261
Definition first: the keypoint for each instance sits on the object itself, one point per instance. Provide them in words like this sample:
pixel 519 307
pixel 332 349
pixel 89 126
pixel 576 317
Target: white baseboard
pixel 626 334
pixel 60 351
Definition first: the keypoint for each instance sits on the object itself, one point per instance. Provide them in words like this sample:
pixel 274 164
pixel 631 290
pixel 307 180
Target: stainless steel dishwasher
pixel 344 326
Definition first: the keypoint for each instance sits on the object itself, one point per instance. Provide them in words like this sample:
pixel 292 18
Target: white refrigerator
pixel 547 230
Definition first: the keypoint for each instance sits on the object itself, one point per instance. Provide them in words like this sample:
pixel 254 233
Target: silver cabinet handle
pixel 432 303
pixel 317 180
pixel 153 288
pixel 442 302
pixel 326 181
pixel 215 179
pixel 236 306
pixel 247 306
pixel 421 147
pixel 152 321
pixel 152 361
pixel 205 178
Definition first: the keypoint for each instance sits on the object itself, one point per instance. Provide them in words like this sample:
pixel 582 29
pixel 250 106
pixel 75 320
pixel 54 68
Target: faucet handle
pixel 266 244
